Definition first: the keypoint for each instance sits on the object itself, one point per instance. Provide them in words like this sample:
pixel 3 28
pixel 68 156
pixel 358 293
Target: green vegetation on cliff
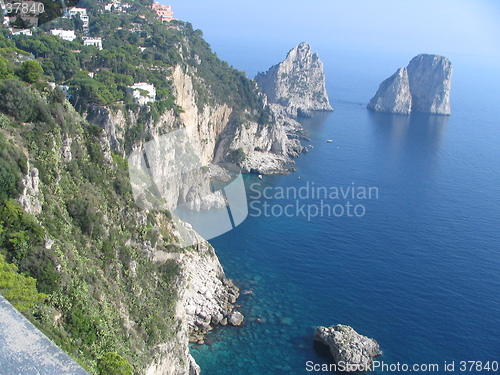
pixel 137 48
pixel 98 292
pixel 80 250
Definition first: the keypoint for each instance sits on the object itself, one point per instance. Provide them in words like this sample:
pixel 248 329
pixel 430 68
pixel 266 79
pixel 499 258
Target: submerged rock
pixel 348 347
pixel 236 318
pixel 423 86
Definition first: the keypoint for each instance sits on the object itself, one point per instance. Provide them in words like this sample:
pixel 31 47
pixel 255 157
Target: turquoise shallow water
pixel 418 272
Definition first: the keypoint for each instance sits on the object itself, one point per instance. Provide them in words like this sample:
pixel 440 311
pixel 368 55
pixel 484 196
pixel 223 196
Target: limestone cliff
pixel 30 195
pixel 393 94
pixel 119 278
pixel 297 83
pixel 206 299
pixel 430 84
pixel 260 139
pixel 423 86
pixel 262 148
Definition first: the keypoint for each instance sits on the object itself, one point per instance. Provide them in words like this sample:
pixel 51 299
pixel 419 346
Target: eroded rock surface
pixel 297 83
pixel 348 347
pixel 423 86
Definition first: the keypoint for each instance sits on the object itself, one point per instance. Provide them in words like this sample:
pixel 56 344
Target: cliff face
pixel 262 148
pixel 121 279
pixel 430 84
pixel 205 126
pixel 297 83
pixel 206 298
pixel 393 95
pixel 423 86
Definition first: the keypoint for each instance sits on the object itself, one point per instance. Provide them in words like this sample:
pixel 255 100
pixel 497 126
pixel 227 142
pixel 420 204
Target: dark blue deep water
pixel 419 272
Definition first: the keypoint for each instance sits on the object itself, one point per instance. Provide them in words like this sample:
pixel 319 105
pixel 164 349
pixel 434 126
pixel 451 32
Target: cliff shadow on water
pixel 418 132
pixel 314 125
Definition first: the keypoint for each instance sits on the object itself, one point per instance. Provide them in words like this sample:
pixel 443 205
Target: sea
pixel 391 228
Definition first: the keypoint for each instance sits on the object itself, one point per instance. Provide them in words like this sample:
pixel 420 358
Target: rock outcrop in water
pixel 393 94
pixel 292 88
pixel 297 83
pixel 348 348
pixel 423 86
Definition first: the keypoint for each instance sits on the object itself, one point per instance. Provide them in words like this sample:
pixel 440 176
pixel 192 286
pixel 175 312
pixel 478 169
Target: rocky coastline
pixel 291 89
pixel 206 297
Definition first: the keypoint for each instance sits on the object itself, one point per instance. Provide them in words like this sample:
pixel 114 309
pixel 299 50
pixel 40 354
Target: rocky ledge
pixel 293 88
pixel 347 346
pixel 423 86
pixel 206 298
pixel 209 297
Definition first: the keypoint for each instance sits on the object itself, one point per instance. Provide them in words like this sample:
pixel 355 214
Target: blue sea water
pixel 419 272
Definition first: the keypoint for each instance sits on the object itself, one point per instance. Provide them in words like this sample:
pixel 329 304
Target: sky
pixel 446 27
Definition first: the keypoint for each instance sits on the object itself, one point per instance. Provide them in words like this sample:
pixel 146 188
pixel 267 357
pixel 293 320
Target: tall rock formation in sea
pixel 297 83
pixel 430 83
pixel 393 94
pixel 292 88
pixel 423 86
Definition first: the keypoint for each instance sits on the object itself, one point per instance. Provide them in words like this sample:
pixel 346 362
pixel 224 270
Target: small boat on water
pixel 260 176
pixel 329 140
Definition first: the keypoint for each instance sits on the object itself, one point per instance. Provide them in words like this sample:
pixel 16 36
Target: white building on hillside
pixel 79 12
pixel 93 42
pixel 117 6
pixel 21 32
pixel 142 93
pixel 64 34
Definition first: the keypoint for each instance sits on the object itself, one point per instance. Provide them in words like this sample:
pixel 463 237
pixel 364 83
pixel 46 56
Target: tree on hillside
pixel 114 364
pixel 5 71
pixel 16 101
pixel 18 289
pixel 30 71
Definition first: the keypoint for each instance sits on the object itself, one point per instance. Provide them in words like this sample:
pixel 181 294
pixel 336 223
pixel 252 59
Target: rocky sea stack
pixel 297 83
pixel 267 145
pixel 348 348
pixel 423 86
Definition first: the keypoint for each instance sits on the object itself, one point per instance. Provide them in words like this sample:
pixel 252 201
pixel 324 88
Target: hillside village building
pixel 68 35
pixel 79 12
pixel 117 6
pixel 142 93
pixel 163 11
pixel 93 42
pixel 21 32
